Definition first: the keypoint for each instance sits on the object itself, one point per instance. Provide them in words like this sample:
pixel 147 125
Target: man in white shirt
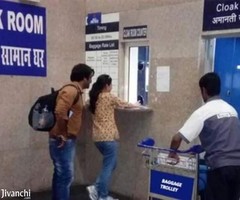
pixel 217 125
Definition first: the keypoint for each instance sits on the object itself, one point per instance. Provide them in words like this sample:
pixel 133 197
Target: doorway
pixel 226 62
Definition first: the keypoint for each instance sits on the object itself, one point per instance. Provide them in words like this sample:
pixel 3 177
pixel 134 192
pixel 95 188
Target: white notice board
pixel 163 79
pixel 102 46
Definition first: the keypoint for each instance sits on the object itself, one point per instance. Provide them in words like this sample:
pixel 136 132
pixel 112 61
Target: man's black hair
pixel 211 82
pixel 81 71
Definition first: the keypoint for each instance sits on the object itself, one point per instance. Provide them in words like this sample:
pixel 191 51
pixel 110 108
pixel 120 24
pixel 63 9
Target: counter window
pixel 137 74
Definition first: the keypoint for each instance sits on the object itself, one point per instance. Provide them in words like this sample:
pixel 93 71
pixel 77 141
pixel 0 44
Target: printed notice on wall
pixel 163 79
pixel 22 39
pixel 102 37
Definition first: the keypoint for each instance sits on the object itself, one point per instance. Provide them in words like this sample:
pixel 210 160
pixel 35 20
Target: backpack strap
pixel 78 92
pixel 76 98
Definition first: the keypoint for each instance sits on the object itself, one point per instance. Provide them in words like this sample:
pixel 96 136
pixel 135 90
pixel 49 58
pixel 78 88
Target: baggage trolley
pixel 168 180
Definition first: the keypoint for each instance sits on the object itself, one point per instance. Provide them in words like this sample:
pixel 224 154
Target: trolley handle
pixel 195 149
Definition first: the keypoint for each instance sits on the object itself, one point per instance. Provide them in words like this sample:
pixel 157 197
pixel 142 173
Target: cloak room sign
pixel 221 15
pixel 22 39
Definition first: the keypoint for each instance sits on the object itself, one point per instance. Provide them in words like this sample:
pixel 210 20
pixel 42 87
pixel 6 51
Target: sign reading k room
pixel 22 39
pixel 221 14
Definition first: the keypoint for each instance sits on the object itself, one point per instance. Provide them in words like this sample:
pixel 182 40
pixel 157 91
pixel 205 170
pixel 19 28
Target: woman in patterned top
pixel 105 133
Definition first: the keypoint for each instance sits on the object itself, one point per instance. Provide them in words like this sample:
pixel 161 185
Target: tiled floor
pixel 77 193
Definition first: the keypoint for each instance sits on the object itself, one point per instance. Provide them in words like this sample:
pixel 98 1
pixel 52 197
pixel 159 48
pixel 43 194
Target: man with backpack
pixel 62 137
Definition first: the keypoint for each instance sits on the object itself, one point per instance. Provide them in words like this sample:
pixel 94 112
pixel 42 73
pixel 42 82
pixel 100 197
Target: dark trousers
pixel 223 183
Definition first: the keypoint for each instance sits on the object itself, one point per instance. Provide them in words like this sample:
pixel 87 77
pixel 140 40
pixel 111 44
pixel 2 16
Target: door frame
pixel 126 48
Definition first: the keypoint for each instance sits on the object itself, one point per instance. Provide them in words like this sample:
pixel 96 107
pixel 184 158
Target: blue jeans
pixel 63 161
pixel 109 152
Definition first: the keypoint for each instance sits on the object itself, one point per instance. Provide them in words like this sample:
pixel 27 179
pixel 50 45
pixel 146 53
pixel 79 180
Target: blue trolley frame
pixel 168 180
